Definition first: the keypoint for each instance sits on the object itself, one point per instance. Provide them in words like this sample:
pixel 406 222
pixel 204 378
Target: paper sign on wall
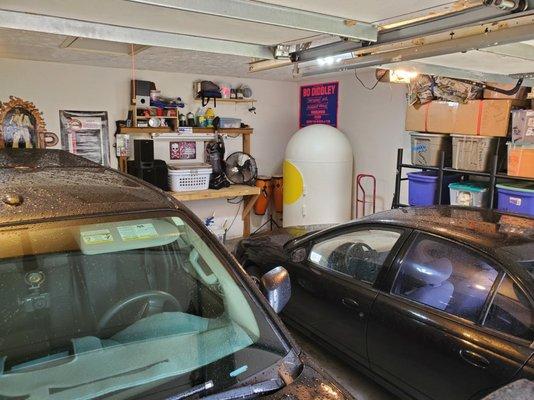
pixel 318 104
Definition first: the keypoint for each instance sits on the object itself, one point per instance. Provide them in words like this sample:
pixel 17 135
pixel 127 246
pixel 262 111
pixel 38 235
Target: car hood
pixel 311 384
pixel 274 241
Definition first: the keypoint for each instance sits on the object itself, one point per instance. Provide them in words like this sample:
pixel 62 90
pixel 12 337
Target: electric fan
pixel 241 168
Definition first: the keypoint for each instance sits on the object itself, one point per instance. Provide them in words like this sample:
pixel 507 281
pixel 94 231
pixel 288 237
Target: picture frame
pixel 22 126
pixel 85 133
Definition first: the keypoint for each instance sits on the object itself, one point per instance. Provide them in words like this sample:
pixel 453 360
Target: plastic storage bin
pixel 229 123
pixel 475 153
pixel 516 198
pixel 423 188
pixel 184 178
pixel 471 194
pixel 521 160
pixel 427 148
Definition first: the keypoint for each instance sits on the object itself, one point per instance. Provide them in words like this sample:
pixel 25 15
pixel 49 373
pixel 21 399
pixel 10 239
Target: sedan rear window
pixel 511 311
pixel 446 276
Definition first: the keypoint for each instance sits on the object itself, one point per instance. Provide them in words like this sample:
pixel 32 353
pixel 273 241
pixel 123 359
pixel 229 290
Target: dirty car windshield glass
pixel 121 307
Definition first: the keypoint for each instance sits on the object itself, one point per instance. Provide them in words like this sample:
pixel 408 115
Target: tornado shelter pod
pixel 317 177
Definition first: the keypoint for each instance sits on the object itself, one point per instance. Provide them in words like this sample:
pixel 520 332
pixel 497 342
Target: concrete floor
pixel 360 386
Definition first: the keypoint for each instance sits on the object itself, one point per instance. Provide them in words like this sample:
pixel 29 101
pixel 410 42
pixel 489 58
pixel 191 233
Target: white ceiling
pixel 131 14
pixel 371 11
pixel 46 47
pixel 485 61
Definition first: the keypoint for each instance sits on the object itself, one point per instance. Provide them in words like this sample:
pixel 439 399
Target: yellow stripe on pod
pixel 293 183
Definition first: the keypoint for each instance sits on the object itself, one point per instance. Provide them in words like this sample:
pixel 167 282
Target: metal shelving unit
pixel 493 176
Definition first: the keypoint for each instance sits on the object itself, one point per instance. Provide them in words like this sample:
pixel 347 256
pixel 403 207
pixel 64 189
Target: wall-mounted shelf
pixel 235 101
pixel 227 131
pixel 166 129
pixel 135 117
pixel 229 192
pixel 142 131
pixel 156 116
pixel 249 193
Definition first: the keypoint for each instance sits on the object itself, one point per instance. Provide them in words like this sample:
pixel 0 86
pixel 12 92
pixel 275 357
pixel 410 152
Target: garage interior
pixel 319 109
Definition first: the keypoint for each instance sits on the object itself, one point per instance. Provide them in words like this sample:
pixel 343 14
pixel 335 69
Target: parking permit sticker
pixel 137 232
pixel 97 237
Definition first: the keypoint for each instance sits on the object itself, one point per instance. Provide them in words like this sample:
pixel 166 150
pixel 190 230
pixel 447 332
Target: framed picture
pixel 182 150
pixel 22 126
pixel 85 133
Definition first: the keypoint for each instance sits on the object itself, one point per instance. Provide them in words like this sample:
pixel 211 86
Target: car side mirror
pixel 276 287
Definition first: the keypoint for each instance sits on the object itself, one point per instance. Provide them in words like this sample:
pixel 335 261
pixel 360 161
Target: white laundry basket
pixel 183 178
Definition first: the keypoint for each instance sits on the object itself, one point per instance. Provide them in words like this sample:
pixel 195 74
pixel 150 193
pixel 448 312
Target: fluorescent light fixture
pixel 330 60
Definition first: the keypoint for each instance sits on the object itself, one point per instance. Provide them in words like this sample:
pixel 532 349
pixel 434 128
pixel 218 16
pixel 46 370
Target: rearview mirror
pixel 276 288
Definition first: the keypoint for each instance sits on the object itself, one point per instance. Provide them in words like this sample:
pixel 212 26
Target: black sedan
pixel 433 303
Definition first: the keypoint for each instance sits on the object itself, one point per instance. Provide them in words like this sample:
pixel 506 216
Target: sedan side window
pixel 511 312
pixel 445 275
pixel 360 254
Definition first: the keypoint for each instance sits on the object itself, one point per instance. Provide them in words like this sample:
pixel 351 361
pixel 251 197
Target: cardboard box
pixel 475 117
pixel 520 160
pixel 523 126
pixel 520 95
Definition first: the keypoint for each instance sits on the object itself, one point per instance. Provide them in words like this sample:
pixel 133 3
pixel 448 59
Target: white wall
pixel 53 87
pixel 373 120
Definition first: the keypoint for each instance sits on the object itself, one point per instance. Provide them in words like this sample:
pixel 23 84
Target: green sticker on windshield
pixel 137 232
pixel 97 237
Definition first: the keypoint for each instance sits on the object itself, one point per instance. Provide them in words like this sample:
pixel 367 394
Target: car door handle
pixel 350 303
pixel 474 359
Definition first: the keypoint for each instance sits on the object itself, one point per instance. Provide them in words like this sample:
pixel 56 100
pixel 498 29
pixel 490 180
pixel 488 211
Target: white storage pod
pixel 317 177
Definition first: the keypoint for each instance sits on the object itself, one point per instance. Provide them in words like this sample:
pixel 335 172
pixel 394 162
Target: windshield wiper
pixel 192 391
pixel 249 391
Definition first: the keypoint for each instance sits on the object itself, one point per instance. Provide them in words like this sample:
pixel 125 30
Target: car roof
pixel 55 184
pixel 501 235
pixel 482 227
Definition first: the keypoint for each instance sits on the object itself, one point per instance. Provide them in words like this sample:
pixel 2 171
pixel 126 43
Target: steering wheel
pixel 362 252
pixel 155 300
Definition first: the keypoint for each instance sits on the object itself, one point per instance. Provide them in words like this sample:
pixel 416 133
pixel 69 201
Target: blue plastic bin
pixel 423 188
pixel 516 198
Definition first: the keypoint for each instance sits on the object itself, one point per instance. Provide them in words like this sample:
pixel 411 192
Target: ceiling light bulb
pixel 329 60
pixel 402 76
pixel 321 61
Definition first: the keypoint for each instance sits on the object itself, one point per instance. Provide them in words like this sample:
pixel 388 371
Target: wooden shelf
pixel 229 192
pixel 155 116
pixel 228 131
pixel 236 101
pixel 166 129
pixel 135 130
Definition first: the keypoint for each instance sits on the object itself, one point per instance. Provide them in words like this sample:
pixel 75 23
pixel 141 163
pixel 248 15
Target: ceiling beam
pixel 443 24
pixel 458 73
pixel 123 34
pixel 508 33
pixel 269 14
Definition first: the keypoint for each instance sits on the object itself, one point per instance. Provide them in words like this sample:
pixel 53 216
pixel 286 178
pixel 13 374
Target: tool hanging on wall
pixel 252 109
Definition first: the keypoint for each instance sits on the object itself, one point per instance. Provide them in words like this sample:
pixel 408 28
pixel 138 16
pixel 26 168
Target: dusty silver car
pixel 110 288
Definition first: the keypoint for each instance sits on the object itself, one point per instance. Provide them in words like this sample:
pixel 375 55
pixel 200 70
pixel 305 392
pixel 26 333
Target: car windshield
pixel 123 306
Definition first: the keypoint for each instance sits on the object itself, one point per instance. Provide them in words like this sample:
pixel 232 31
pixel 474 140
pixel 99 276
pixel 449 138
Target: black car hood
pixel 309 385
pixel 274 242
